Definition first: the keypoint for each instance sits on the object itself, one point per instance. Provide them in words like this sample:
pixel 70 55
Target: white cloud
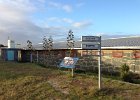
pixel 42 1
pixel 15 21
pixel 82 24
pixel 8 13
pixel 54 19
pixel 67 20
pixel 23 5
pixel 69 23
pixel 80 4
pixel 54 4
pixel 60 20
pixel 65 7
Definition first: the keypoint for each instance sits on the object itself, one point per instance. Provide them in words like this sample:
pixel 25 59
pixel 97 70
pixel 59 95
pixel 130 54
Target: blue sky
pixel 34 19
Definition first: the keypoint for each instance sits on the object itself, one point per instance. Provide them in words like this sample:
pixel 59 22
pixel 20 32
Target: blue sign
pixel 69 62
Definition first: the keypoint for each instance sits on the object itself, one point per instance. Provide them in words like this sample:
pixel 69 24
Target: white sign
pixel 90 46
pixel 68 62
pixel 90 39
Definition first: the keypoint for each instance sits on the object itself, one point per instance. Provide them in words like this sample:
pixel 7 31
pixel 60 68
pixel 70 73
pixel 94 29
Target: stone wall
pixel 88 59
pixel 111 59
pixel 48 58
pixel 118 57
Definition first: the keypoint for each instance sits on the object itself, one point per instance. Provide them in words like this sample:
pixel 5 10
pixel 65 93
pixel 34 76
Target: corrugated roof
pixel 116 42
pixel 125 42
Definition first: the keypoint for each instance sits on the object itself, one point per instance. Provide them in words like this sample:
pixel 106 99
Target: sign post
pixel 94 43
pixel 99 68
pixel 37 56
pixel 72 72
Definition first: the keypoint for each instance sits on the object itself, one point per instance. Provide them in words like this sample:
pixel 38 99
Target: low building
pixel 11 54
pixel 115 52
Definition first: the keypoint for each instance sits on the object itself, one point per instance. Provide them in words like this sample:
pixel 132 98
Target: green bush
pixel 125 74
pixel 124 68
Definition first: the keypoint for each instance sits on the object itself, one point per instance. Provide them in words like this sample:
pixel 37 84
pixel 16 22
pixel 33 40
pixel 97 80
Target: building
pixel 115 52
pixel 10 53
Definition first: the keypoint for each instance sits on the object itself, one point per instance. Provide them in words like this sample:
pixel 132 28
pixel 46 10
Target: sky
pixel 23 20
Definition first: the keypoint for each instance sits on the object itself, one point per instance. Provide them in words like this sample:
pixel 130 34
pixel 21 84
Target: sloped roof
pixel 114 42
pixel 77 44
pixel 123 43
pixel 118 42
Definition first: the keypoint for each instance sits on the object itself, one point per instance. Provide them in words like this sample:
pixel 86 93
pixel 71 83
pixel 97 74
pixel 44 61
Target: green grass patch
pixel 33 82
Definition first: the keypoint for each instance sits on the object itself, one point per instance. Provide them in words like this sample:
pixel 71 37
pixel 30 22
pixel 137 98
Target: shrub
pixel 124 68
pixel 125 74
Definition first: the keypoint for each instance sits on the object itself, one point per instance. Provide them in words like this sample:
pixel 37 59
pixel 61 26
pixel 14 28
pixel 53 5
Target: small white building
pixel 11 43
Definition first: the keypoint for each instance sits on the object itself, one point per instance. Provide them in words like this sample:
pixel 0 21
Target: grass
pixel 30 81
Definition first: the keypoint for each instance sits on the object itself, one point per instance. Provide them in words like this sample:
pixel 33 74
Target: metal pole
pixel 31 58
pixel 72 72
pixel 37 56
pixel 99 64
